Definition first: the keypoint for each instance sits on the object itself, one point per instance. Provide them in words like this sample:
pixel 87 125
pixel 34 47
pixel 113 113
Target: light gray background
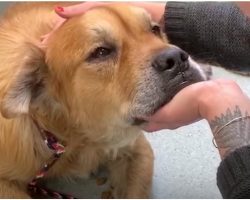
pixel 185 159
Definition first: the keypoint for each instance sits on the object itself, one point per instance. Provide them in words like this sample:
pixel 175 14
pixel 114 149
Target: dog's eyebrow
pixel 118 16
pixel 100 33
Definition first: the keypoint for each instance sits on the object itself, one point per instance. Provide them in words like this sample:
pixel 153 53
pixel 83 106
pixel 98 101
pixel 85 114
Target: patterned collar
pixel 58 149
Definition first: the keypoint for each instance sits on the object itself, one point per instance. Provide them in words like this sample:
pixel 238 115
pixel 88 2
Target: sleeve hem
pixel 174 23
pixel 233 174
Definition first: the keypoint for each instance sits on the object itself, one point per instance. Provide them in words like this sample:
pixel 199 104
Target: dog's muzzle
pixel 170 70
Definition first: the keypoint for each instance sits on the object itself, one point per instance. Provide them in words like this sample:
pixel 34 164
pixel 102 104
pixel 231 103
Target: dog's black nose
pixel 171 58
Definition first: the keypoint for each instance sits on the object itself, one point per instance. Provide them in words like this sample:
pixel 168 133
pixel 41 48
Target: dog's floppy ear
pixel 25 84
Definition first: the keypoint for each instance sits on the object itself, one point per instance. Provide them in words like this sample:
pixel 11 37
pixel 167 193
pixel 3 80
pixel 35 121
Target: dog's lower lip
pixel 178 88
pixel 138 121
pixel 142 120
pixel 183 83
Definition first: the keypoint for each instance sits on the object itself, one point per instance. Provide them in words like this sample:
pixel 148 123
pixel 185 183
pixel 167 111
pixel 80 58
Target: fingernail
pixel 59 9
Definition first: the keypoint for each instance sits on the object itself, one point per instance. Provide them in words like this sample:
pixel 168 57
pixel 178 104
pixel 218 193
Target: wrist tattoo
pixel 234 135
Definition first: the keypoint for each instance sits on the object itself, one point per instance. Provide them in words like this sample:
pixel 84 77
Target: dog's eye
pixel 156 30
pixel 101 52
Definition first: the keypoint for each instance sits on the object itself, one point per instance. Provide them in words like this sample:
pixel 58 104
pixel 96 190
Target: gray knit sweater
pixel 217 33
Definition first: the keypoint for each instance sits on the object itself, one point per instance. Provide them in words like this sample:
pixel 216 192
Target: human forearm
pixel 215 32
pixel 227 110
pixel 231 130
pixel 217 101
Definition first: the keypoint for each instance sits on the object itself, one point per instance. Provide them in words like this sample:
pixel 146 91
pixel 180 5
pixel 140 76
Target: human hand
pixel 155 9
pixel 203 100
pixel 63 13
pixel 217 101
pixel 77 9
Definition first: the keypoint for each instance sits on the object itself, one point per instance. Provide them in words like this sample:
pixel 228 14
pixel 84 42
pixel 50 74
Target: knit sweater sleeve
pixel 233 175
pixel 214 32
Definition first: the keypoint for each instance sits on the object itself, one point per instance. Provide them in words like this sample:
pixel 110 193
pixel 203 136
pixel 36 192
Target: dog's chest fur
pixel 82 156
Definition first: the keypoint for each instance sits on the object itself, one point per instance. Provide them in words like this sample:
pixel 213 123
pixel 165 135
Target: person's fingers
pixel 70 11
pixel 44 38
pixel 63 13
pixel 67 12
pixel 59 23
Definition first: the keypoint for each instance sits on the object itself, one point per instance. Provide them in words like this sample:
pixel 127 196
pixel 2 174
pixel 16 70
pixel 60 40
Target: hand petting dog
pixel 66 12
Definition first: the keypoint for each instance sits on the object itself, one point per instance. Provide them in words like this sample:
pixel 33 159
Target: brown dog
pixel 99 75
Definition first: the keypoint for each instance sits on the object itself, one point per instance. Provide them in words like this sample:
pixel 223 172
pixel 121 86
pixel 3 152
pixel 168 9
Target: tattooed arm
pixel 226 108
pixel 230 123
pixel 231 130
pixel 217 101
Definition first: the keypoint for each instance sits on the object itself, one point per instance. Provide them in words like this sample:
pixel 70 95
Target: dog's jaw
pixel 154 92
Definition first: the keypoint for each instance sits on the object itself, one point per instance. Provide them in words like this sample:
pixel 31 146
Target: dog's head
pixel 111 65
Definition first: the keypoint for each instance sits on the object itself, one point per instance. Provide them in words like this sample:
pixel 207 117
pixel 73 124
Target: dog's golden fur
pixel 69 99
pixel 91 100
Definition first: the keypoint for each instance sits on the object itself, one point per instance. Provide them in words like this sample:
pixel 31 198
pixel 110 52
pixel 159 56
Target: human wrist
pixel 225 107
pixel 231 132
pixel 217 96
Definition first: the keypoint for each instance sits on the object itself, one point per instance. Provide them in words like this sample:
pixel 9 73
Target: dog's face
pixel 113 65
pixel 118 64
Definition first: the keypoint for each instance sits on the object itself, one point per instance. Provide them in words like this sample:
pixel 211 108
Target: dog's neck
pixel 74 134
pixel 44 133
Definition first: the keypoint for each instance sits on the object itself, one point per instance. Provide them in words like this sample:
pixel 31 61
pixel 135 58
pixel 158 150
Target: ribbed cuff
pixel 174 26
pixel 233 175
